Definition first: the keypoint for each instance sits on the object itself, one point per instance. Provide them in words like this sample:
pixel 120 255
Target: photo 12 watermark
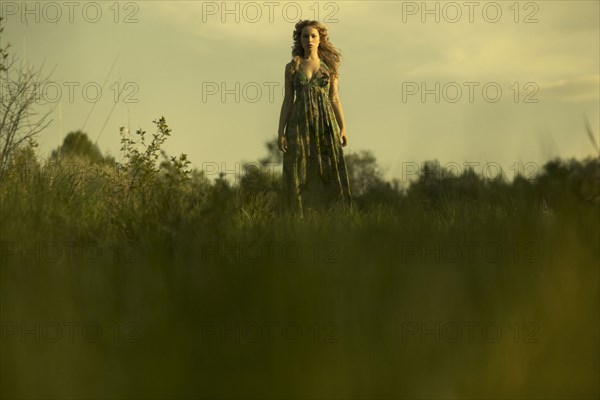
pixel 52 92
pixel 470 92
pixel 252 12
pixel 69 252
pixel 247 92
pixel 431 171
pixel 238 171
pixel 427 332
pixel 70 332
pixel 467 252
pixel 452 12
pixel 250 92
pixel 252 252
pixel 56 12
pixel 269 332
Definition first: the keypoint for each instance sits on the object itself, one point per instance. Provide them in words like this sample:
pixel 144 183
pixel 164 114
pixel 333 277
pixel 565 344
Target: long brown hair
pixel 329 54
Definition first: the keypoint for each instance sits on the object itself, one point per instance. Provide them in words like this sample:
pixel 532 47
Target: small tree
pixel 363 172
pixel 18 93
pixel 77 144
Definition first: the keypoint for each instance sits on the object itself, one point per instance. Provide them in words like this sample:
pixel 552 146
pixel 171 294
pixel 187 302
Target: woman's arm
pixel 288 100
pixel 336 104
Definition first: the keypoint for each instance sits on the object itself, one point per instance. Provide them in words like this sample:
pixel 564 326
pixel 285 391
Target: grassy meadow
pixel 143 278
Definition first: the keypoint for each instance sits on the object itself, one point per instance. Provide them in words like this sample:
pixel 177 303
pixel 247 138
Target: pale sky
pixel 171 51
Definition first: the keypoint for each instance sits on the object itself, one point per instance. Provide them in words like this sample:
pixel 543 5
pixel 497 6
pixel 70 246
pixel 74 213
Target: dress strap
pixel 324 68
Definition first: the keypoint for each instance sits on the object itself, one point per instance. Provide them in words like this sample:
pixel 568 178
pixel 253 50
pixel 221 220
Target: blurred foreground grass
pixel 166 286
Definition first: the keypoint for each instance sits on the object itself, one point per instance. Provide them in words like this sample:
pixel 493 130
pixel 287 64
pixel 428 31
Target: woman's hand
pixel 344 137
pixel 281 142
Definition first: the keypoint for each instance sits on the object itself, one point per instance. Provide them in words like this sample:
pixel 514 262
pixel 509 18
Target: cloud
pixel 579 89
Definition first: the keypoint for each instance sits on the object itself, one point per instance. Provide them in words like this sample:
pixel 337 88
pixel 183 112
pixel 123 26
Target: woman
pixel 311 125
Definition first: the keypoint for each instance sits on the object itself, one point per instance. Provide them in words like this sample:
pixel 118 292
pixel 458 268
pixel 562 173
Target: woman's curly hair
pixel 326 51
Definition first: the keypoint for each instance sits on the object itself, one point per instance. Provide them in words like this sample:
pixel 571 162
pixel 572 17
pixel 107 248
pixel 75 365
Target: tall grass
pixel 184 269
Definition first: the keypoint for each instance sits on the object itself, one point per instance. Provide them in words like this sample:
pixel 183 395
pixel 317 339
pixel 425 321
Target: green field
pixel 146 280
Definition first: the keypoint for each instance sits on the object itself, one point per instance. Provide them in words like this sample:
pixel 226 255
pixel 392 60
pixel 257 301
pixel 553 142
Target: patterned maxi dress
pixel 314 169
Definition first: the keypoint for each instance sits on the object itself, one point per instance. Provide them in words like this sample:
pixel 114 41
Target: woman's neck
pixel 311 56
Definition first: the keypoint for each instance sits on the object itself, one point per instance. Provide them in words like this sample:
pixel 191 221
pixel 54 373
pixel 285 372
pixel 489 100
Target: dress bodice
pixel 319 80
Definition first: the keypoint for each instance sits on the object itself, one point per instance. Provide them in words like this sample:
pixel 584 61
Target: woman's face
pixel 309 39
